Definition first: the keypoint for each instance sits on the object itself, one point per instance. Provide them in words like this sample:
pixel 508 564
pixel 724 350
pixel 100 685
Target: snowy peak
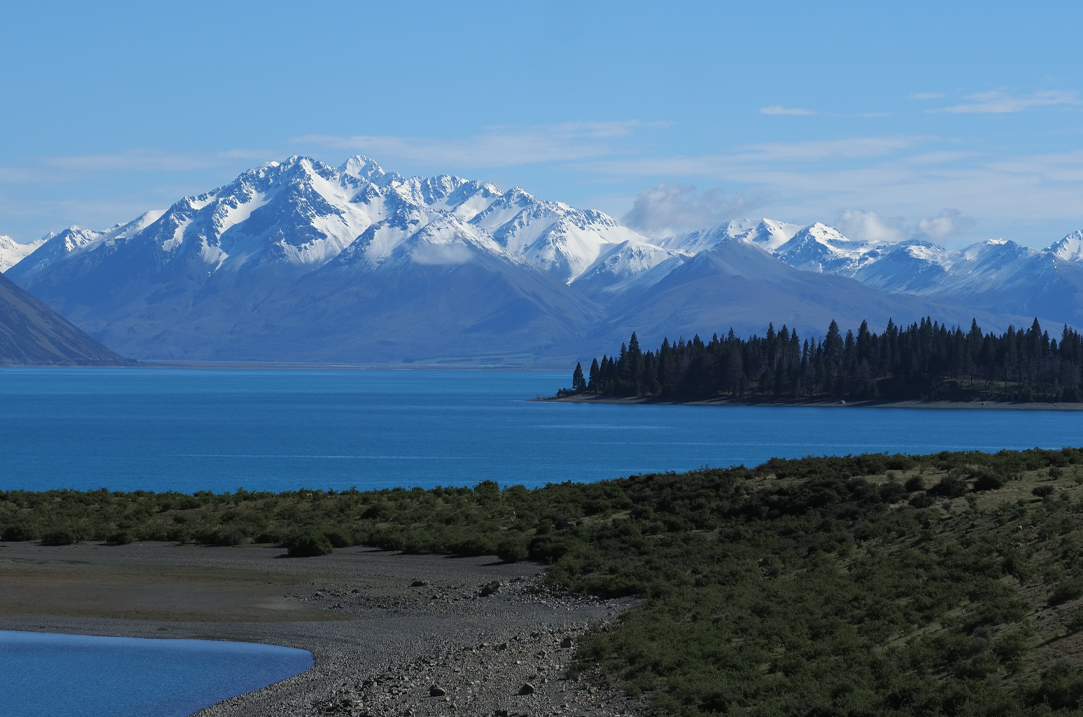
pixel 557 238
pixel 769 234
pixel 12 252
pixel 824 249
pixel 691 243
pixel 363 168
pixel 419 235
pixel 765 233
pixel 1070 248
pixel 912 266
pixel 632 263
pixel 995 253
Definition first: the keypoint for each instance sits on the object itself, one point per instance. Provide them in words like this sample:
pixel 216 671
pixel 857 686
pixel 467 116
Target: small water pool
pixel 50 674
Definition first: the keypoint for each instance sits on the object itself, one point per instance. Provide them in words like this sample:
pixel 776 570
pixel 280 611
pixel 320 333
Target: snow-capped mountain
pixel 12 252
pixel 72 240
pixel 301 214
pixel 633 263
pixel 996 276
pixel 302 261
pixel 768 234
pixel 910 266
pixel 1070 248
pixel 226 273
pixel 737 283
pixel 824 249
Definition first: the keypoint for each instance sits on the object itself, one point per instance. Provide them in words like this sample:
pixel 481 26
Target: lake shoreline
pixel 816 403
pixel 383 627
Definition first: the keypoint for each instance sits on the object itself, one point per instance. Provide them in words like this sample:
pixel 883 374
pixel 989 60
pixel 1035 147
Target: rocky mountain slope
pixel 32 334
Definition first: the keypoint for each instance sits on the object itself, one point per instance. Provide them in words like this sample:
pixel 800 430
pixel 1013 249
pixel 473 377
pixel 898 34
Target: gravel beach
pixel 391 634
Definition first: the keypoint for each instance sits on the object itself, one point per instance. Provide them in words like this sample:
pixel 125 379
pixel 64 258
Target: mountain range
pixel 302 261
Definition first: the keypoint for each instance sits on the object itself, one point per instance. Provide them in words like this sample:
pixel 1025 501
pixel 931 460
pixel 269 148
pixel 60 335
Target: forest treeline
pixel 923 361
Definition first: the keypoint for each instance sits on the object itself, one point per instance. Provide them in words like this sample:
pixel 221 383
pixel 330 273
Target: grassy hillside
pixel 941 584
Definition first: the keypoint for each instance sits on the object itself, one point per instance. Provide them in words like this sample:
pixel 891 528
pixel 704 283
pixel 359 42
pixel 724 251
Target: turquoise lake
pixel 193 429
pixel 45 674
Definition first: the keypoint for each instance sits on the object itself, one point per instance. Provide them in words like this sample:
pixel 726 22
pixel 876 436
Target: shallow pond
pixel 48 674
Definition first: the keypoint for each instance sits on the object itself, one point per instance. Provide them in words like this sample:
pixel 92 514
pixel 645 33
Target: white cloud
pixel 870 226
pixel 996 102
pixel 670 208
pixel 949 223
pixel 750 162
pixel 496 147
pixel 780 110
pixel 899 176
pixel 925 95
pixel 820 150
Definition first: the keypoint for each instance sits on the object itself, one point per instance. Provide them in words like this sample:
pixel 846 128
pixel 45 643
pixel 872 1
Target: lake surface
pixel 48 674
pixel 196 429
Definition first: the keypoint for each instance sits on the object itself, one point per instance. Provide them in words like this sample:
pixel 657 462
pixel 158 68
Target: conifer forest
pixel 922 361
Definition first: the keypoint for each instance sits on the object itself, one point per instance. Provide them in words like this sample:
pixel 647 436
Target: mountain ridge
pixel 299 260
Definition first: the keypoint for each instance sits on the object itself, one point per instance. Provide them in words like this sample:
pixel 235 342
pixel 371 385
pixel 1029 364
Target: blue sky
pixel 953 121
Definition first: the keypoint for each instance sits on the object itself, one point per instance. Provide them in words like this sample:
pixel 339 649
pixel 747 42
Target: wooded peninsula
pixel 925 361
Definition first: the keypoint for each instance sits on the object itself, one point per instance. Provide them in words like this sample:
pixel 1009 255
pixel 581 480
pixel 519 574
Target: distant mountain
pixel 301 261
pixel 756 289
pixel 12 252
pixel 32 334
pixel 765 233
pixel 997 278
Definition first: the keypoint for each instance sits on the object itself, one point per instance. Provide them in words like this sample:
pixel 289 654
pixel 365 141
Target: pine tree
pixel 592 380
pixel 578 384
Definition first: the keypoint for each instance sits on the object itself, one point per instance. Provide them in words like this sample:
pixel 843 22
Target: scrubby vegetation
pixel 924 361
pixel 875 584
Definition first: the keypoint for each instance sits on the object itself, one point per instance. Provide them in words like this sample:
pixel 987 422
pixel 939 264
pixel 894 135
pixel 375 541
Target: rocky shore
pixel 390 634
pixel 818 403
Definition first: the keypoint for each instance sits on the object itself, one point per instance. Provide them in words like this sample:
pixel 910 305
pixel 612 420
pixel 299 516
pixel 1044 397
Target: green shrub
pixel 121 537
pixel 60 536
pixel 338 539
pixel 308 545
pixel 1067 590
pixel 949 487
pixel 20 532
pixel 1075 623
pixel 915 483
pixel 513 549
